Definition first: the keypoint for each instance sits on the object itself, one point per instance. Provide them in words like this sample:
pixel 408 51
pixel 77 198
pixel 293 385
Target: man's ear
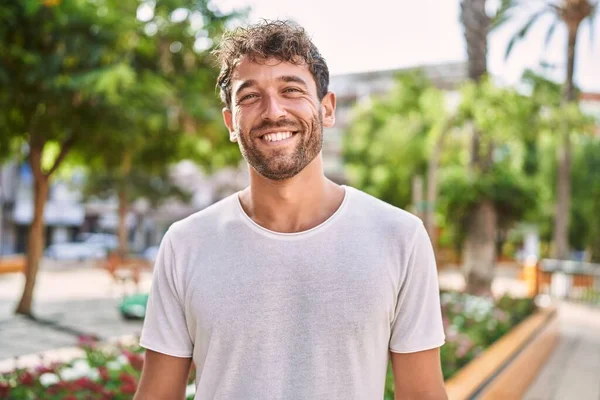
pixel 228 119
pixel 328 108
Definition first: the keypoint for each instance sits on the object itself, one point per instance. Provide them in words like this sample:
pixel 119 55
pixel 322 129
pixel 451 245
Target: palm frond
pixel 504 12
pixel 550 33
pixel 521 33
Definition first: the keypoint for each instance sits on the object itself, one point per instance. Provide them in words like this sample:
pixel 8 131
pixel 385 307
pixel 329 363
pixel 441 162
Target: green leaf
pixel 521 33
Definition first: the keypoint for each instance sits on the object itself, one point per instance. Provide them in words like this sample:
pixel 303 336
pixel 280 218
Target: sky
pixel 386 34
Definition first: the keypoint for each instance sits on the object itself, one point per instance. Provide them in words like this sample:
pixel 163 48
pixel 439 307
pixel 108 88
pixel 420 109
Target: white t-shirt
pixel 308 315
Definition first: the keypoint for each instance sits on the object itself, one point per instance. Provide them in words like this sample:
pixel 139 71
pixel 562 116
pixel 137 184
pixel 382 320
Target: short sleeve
pixel 417 323
pixel 165 329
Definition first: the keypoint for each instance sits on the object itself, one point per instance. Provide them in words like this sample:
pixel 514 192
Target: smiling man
pixel 295 287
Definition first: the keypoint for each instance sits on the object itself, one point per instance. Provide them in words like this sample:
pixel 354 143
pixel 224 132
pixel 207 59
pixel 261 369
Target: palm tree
pixel 479 254
pixel 571 13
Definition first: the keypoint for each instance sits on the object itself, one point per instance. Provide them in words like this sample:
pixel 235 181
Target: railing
pixel 570 280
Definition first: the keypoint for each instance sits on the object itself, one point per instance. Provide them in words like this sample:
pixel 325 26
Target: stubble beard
pixel 281 164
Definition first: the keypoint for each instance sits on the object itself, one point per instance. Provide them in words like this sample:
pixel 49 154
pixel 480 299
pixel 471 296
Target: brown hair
pixel 282 40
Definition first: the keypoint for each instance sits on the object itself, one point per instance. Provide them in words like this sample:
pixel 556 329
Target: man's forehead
pixel 267 70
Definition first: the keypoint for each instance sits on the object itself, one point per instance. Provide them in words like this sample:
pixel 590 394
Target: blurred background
pixel 482 117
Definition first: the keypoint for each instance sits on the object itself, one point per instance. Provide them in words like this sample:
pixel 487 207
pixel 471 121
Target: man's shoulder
pixel 381 212
pixel 206 220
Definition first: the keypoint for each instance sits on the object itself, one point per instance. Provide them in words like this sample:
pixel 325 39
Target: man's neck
pixel 292 205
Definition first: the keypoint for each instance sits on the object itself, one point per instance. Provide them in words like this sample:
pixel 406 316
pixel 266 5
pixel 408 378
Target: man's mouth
pixel 277 136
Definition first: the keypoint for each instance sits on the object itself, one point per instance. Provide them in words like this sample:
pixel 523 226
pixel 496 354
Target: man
pixel 296 287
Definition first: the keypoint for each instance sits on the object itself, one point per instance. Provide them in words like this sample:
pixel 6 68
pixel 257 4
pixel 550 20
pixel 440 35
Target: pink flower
pixel 103 371
pixel 127 388
pixel 135 360
pixel 4 390
pixel 26 379
pixel 88 341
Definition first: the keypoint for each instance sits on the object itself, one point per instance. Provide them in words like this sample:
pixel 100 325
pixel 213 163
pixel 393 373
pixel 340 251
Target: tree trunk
pixel 122 230
pixel 35 241
pixel 563 199
pixel 123 205
pixel 476 25
pixel 595 245
pixel 563 184
pixel 479 256
pixel 479 252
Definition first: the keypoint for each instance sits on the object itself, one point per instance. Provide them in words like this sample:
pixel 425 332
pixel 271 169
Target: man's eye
pixel 291 90
pixel 248 96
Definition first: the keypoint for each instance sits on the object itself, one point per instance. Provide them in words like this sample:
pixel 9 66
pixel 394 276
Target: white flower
pixel 113 365
pixel 48 379
pixel 81 365
pixel 122 360
pixel 190 390
pixel 93 374
pixel 70 374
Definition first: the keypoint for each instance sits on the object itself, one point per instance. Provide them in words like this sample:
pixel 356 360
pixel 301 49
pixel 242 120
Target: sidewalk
pixel 573 369
pixel 69 302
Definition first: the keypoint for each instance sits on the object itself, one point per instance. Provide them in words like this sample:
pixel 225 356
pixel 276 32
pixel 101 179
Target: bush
pixel 472 324
pixel 107 372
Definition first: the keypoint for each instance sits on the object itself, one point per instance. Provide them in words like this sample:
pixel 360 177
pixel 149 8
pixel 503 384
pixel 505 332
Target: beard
pixel 283 163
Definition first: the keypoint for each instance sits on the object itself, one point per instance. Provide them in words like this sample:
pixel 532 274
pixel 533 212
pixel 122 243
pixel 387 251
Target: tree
pixel 585 228
pixel 46 54
pixel 89 79
pixel 508 123
pixel 571 13
pixel 479 250
pixel 155 188
pixel 390 138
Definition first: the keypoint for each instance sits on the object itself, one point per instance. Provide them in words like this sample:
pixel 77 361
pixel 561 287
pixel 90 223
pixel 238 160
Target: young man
pixel 296 287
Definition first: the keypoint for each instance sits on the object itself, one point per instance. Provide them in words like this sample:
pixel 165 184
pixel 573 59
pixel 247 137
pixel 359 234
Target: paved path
pixel 72 301
pixel 573 370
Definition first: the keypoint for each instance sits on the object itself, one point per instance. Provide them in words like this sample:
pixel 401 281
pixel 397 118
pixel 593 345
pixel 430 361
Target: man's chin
pixel 278 174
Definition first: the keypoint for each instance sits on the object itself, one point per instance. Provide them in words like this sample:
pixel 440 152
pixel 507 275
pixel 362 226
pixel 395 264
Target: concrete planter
pixel 11 264
pixel 507 368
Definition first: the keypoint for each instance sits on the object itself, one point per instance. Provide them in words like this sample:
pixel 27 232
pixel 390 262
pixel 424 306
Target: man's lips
pixel 275 131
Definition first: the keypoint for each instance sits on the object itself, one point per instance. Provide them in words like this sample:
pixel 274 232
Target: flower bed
pixel 107 372
pixel 112 371
pixel 472 324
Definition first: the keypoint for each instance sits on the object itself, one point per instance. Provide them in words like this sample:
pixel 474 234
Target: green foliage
pixel 156 187
pixel 585 208
pixel 389 138
pixel 471 325
pixel 512 193
pixel 96 73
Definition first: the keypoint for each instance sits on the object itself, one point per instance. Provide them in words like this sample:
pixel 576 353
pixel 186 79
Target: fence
pixel 570 280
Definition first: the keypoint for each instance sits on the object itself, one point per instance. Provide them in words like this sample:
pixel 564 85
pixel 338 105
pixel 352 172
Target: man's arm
pixel 418 376
pixel 163 377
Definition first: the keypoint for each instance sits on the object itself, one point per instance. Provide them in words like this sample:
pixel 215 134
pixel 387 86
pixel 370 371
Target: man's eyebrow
pixel 293 78
pixel 245 85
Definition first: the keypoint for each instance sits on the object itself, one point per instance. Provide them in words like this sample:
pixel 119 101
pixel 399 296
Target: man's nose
pixel 273 109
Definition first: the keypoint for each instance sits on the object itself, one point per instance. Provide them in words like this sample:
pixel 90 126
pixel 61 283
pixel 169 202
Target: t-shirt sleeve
pixel 165 329
pixel 417 323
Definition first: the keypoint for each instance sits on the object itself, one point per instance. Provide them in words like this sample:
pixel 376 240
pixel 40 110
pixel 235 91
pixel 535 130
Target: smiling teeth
pixel 276 137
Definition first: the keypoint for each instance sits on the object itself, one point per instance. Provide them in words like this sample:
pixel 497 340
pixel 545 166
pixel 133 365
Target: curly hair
pixel 281 40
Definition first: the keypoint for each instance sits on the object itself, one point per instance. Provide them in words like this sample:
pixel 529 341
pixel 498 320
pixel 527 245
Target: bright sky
pixel 386 34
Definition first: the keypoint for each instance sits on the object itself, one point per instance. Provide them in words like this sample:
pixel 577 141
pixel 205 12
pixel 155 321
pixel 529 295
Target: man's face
pixel 276 116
